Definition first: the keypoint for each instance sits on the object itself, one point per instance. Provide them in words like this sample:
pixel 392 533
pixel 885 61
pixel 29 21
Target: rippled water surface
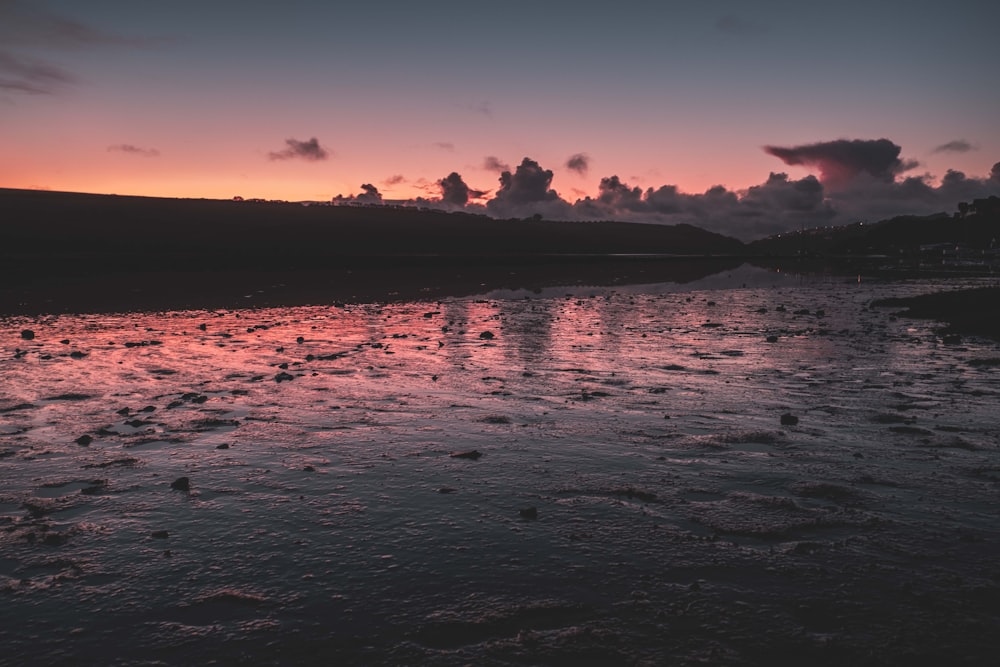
pixel 628 492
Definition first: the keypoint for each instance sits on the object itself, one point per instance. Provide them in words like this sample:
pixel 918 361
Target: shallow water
pixel 675 516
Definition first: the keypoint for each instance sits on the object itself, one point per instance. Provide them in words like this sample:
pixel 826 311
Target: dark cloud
pixel 307 150
pixel 444 145
pixel 25 28
pixel 995 173
pixel 455 193
pixel 735 25
pixel 957 146
pixel 777 205
pixel 396 179
pixel 371 195
pixel 527 192
pixel 492 163
pixel 24 25
pixel 843 161
pixel 26 75
pixel 580 163
pixel 133 150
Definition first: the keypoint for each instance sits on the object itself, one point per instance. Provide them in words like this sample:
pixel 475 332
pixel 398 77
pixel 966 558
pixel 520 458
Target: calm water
pixel 637 497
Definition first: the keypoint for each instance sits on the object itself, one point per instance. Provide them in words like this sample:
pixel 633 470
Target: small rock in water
pixel 27 334
pixel 76 354
pixel 772 339
pixel 282 377
pixel 789 419
pixel 528 513
pixel 160 534
pixel 84 440
pixel 487 335
pixel 471 454
pixel 300 340
pixel 181 484
pixel 222 446
pixel 446 489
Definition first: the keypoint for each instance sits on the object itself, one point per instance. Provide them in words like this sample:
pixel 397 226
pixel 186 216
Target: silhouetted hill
pixel 55 228
pixel 903 235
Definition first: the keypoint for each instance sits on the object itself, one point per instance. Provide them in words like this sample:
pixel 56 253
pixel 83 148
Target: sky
pixel 744 118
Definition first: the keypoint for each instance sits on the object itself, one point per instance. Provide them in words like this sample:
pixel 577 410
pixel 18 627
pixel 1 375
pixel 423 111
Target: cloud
pixel 867 188
pixel 26 75
pixel 580 163
pixel 134 150
pixel 492 163
pixel 371 194
pixel 957 146
pixel 455 192
pixel 777 205
pixel 444 145
pixel 368 196
pixel 26 29
pixel 307 150
pixel 394 180
pixel 843 161
pixel 527 192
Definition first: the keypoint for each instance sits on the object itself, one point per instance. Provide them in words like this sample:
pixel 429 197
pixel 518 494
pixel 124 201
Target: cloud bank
pixel 307 150
pixel 857 180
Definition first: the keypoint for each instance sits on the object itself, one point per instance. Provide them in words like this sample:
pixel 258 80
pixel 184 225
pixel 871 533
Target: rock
pixel 471 454
pixel 203 327
pixel 772 339
pixel 160 534
pixel 76 354
pixel 309 469
pixel 282 377
pixel 27 334
pixel 529 513
pixel 789 419
pixel 487 335
pixel 300 340
pixel 446 489
pixel 181 484
pixel 84 440
pixel 222 446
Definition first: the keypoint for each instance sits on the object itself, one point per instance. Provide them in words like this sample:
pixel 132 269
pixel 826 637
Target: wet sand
pixel 683 473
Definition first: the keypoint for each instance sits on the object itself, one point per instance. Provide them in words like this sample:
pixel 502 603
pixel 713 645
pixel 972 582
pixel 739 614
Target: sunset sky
pixel 305 100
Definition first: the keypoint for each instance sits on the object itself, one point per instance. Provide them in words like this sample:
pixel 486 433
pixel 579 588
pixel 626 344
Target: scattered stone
pixel 28 334
pixel 203 327
pixel 446 489
pixel 181 484
pixel 123 412
pixel 309 469
pixel 789 419
pixel 283 376
pixel 772 339
pixel 529 513
pixel 495 419
pixel 222 446
pixel 300 340
pixel 55 539
pixel 84 440
pixel 487 335
pixel 148 408
pixel 630 493
pixel 160 534
pixel 470 454
pixel 76 354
